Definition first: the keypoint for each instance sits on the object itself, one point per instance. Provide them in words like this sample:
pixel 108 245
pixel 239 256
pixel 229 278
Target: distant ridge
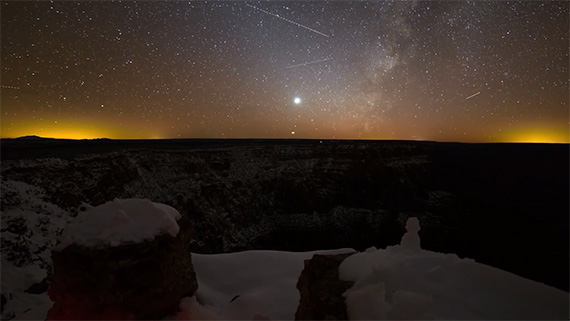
pixel 32 137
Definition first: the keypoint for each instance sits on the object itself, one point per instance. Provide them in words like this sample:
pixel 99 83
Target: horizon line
pixel 283 138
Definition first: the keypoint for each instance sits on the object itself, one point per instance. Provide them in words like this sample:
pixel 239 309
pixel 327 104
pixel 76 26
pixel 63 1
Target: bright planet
pixel 461 71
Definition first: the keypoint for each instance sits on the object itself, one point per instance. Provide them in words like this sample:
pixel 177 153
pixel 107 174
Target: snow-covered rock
pixel 120 221
pixel 406 282
pixel 126 259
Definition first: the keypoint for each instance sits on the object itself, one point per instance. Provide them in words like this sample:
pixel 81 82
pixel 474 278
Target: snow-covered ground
pixel 22 305
pixel 243 285
pixel 406 282
pixel 30 227
pixel 400 282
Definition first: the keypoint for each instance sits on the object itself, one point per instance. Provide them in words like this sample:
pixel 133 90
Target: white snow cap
pixel 120 221
pixel 407 283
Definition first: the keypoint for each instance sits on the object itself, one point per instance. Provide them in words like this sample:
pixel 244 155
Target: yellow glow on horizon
pixel 96 128
pixel 73 130
pixel 536 134
pixel 538 138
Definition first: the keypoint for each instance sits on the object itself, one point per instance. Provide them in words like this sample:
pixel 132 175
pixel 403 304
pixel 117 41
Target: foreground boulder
pixel 321 290
pixel 142 278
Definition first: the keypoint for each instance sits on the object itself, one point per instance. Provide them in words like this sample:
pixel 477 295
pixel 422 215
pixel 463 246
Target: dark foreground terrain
pixel 505 205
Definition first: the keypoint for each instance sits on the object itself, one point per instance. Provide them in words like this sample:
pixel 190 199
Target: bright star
pixel 297 100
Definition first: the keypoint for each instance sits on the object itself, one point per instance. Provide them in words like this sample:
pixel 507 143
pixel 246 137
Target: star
pixel 446 71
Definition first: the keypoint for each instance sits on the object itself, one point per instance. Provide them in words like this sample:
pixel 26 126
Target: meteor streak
pixel 475 94
pixel 10 87
pixel 285 19
pixel 309 63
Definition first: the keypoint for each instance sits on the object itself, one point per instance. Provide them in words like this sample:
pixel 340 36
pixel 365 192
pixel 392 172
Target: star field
pixel 471 71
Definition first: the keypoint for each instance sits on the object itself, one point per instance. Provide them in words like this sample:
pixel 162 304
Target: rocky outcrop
pixel 128 282
pixel 321 290
pixel 252 194
pixel 230 192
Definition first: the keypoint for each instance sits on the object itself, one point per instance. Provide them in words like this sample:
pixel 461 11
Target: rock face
pixel 128 282
pixel 321 290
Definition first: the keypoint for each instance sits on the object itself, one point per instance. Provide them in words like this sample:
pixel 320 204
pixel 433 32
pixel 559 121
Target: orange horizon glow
pixel 73 130
pixel 535 134
pixel 97 129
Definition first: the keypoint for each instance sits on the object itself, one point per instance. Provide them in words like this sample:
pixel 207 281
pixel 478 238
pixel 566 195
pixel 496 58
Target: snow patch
pixel 15 281
pixel 369 295
pixel 249 285
pixel 120 221
pixel 29 228
pixel 20 278
pixel 190 309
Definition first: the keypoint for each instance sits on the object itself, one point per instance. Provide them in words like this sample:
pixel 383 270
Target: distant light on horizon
pixel 535 133
pixel 73 130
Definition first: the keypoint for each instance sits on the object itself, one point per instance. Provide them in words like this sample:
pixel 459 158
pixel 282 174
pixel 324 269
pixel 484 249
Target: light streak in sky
pixel 285 19
pixel 308 63
pixel 475 94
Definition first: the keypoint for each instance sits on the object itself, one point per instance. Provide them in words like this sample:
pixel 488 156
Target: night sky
pixel 468 71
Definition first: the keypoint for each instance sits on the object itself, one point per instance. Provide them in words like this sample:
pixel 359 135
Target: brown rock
pixel 321 290
pixel 127 282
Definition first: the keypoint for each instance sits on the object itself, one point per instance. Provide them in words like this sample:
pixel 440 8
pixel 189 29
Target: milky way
pixel 447 71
